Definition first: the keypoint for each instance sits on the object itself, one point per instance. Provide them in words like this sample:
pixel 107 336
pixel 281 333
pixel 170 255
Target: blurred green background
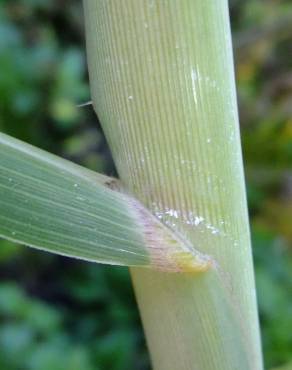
pixel 60 314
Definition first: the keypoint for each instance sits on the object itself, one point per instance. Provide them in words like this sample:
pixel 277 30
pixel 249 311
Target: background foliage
pixel 60 314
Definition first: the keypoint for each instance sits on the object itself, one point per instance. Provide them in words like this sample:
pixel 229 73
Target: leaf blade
pixel 52 204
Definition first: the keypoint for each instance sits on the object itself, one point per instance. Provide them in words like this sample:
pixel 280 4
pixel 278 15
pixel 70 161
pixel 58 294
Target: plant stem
pixel 162 83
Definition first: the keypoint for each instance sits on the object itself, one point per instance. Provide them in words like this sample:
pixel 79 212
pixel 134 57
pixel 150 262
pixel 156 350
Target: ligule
pixel 168 251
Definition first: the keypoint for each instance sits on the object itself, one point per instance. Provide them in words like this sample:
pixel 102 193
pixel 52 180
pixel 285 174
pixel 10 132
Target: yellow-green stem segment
pixel 162 83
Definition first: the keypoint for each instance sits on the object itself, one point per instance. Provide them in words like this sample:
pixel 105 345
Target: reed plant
pixel 162 84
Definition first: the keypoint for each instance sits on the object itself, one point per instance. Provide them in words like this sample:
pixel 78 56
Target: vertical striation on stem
pixel 162 82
